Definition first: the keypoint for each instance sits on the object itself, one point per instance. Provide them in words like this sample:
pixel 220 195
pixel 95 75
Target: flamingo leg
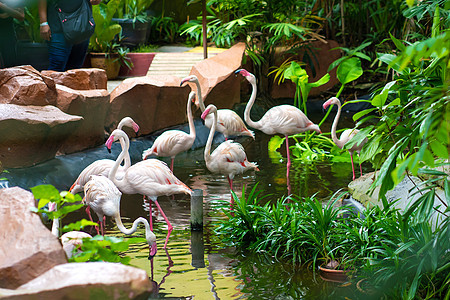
pixel 171 164
pixel 88 211
pixel 101 227
pixel 170 228
pixel 150 217
pixel 288 165
pixel 353 166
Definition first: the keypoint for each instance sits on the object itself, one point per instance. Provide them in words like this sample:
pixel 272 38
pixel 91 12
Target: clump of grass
pixel 399 253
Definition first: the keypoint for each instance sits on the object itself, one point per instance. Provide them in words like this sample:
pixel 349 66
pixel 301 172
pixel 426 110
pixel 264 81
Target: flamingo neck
pixel 338 143
pixel 210 138
pixel 199 95
pixel 113 171
pixel 55 227
pixel 149 235
pixel 249 106
pixel 127 159
pixel 190 119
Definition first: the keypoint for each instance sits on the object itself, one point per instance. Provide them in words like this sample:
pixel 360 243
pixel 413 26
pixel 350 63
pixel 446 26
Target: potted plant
pixel 31 48
pixel 132 16
pixel 105 49
pixel 141 58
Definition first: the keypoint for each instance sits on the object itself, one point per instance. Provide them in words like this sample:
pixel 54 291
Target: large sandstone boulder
pixel 32 134
pixel 321 55
pixel 24 85
pixel 154 102
pixel 216 76
pixel 95 280
pixel 27 247
pixel 92 105
pixel 80 79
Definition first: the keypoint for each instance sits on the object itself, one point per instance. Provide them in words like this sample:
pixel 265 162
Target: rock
pixel 322 56
pixel 24 85
pixel 80 79
pixel 405 192
pixel 27 247
pixel 216 76
pixel 154 102
pixel 94 280
pixel 32 134
pixel 92 105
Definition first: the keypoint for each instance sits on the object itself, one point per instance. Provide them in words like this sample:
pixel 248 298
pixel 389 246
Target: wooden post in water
pixel 197 209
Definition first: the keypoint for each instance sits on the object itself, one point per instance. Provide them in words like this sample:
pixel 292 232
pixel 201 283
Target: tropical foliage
pixel 98 248
pixel 399 255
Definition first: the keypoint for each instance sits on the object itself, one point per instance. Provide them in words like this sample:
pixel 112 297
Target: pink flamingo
pixel 228 158
pixel 150 177
pixel 104 198
pixel 346 135
pixel 102 166
pixel 284 119
pixel 172 142
pixel 228 122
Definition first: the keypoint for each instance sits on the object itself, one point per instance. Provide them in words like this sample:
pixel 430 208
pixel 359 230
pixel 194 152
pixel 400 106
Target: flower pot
pixel 141 64
pixel 134 33
pixel 332 274
pixel 108 63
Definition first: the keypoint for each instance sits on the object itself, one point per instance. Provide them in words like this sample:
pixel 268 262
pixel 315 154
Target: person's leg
pixel 77 55
pixel 58 52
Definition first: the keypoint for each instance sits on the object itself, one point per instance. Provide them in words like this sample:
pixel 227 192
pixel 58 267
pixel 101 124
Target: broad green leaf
pixel 78 225
pixel 362 113
pixel 349 70
pixel 46 191
pixel 275 142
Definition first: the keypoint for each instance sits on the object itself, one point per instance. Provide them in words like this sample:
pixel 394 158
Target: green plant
pixel 98 248
pixel 299 77
pixel 31 23
pixel 104 38
pixel 107 35
pixel 270 29
pixel 164 28
pixel 134 9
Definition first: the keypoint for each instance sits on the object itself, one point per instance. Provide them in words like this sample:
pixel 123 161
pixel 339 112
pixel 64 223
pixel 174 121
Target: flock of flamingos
pixel 104 181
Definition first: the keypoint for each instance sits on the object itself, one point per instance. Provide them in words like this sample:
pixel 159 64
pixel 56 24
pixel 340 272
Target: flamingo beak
pixel 152 251
pixel 183 81
pixel 204 114
pixel 237 71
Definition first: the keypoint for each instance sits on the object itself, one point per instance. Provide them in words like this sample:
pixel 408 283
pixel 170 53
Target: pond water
pixel 197 264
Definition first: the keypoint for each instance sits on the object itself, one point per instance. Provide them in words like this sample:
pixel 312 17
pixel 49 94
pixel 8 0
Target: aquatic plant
pixel 395 253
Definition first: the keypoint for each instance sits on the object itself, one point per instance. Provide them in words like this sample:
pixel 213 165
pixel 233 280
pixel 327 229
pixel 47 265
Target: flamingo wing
pixel 170 143
pixel 98 167
pixel 153 177
pixel 102 195
pixel 284 119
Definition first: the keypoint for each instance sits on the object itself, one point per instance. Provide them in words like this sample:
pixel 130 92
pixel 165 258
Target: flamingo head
pixel 190 78
pixel 208 110
pixel 243 72
pixel 331 101
pixel 314 127
pixel 192 96
pixel 109 142
pixel 152 250
pixel 129 122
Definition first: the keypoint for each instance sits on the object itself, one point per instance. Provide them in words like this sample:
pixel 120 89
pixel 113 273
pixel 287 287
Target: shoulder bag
pixel 79 25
